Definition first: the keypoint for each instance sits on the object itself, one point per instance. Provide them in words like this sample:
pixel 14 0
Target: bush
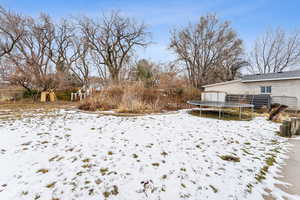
pixel 89 105
pixel 135 97
pixel 30 94
pixel 64 95
pixel 132 99
pixel 109 98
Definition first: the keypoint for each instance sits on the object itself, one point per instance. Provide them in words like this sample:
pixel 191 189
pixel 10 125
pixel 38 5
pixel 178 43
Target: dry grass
pixel 136 98
pixel 10 92
pixel 133 101
pixel 230 158
pixel 109 98
pixel 27 104
pixel 26 108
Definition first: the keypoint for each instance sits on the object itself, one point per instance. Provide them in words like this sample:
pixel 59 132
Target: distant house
pixel 283 87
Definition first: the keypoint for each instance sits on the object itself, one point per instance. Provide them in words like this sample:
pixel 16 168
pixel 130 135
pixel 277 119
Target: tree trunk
pixel 115 76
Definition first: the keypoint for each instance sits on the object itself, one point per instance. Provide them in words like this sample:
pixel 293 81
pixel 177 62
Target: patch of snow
pixel 74 155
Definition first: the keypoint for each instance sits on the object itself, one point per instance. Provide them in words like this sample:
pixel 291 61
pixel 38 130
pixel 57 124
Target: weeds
pixel 230 158
pixel 134 155
pixel 249 187
pixel 213 188
pixel 155 164
pixel 164 176
pixel 51 185
pixel 137 98
pixel 114 191
pixel 43 171
pixel 270 161
pixel 53 158
pixel 103 171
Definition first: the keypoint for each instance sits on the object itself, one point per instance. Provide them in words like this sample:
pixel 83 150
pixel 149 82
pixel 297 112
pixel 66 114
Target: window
pixel 269 89
pixel 266 89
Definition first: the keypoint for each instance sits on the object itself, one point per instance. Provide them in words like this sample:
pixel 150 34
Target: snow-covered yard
pixel 66 155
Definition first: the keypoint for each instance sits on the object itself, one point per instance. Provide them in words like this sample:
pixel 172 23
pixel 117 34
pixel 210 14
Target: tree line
pixel 41 54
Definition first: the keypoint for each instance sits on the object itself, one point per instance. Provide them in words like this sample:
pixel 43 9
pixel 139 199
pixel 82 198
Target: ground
pixel 68 154
pixel 290 170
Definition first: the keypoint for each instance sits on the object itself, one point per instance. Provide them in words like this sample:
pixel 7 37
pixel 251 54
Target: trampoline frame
pixel 221 105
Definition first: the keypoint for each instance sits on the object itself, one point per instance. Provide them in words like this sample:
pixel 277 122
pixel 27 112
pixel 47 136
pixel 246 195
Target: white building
pixel 284 87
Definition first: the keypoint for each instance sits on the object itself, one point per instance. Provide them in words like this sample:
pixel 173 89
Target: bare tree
pixel 114 39
pixel 5 69
pixel 63 54
pixel 101 69
pixel 228 70
pixel 11 30
pixel 81 68
pixel 205 48
pixel 31 59
pixel 275 51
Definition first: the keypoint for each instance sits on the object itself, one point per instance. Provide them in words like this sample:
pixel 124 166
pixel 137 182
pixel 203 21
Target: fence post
pixel 285 129
pixel 295 126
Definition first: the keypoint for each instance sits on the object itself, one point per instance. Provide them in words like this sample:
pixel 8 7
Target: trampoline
pixel 220 105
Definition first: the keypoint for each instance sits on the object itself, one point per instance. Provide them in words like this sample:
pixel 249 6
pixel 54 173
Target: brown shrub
pixel 89 104
pixel 134 97
pixel 109 98
pixel 170 80
pixel 132 101
pixel 133 106
pixel 114 92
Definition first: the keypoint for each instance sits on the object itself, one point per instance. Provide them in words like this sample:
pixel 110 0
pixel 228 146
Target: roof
pixel 272 76
pixel 222 83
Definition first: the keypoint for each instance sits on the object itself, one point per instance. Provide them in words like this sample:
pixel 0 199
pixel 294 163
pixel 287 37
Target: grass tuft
pixel 230 158
pixel 213 188
pixel 43 171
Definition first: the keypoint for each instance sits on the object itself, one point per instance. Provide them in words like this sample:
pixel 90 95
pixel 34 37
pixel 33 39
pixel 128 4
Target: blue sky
pixel 250 18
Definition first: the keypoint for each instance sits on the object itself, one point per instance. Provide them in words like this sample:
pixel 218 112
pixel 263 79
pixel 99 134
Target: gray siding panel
pixel 291 102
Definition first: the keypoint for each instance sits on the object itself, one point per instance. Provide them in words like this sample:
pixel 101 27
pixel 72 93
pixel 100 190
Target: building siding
pixel 230 88
pixel 289 88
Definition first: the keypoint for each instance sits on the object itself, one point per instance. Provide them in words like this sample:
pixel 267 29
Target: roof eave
pixel 222 83
pixel 270 79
